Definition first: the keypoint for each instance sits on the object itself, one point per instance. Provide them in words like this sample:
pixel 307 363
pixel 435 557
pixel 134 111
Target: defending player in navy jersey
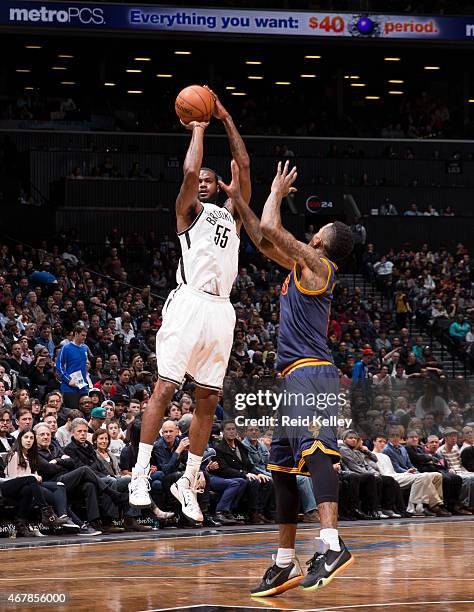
pixel 305 362
pixel 196 336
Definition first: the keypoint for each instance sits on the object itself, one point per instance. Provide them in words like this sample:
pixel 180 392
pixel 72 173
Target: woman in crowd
pixel 135 368
pixel 22 471
pixel 128 458
pixel 20 398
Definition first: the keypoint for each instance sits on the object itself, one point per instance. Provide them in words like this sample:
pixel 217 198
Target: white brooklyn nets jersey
pixel 210 252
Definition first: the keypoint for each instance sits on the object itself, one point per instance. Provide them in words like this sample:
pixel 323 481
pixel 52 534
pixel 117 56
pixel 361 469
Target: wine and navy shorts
pixel 306 421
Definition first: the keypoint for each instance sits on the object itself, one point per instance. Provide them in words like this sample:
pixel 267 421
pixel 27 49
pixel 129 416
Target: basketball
pixel 194 103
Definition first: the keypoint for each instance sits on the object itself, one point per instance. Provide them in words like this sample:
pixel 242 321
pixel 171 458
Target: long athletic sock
pixel 331 538
pixel 192 467
pixel 285 556
pixel 144 454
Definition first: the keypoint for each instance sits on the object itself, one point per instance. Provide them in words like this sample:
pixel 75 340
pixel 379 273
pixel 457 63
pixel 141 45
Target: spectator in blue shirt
pixel 71 367
pixel 398 454
pixel 459 328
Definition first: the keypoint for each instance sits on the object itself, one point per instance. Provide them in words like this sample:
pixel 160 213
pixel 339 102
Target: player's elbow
pixel 267 228
pixel 244 162
pixel 191 175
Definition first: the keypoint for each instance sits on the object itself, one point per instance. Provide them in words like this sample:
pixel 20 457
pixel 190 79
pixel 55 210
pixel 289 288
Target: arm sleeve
pixel 61 365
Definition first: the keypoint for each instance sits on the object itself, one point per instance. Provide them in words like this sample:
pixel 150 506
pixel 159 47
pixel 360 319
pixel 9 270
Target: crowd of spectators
pixel 80 447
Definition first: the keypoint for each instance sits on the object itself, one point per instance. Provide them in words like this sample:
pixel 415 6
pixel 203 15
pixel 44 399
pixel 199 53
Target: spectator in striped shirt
pixel 451 454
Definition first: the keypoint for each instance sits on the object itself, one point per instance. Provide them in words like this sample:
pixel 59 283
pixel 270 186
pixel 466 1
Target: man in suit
pixel 234 462
pixel 426 462
pixel 401 464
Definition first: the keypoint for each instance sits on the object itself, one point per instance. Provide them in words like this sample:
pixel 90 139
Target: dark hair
pixel 216 176
pixel 139 395
pixel 17 448
pixel 227 422
pixel 339 242
pixel 78 329
pixel 23 411
pixel 74 414
pixel 133 435
pixel 99 432
pixel 105 378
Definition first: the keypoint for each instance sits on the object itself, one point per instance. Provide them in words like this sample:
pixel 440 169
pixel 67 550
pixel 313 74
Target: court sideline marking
pixel 383 578
pixel 223 533
pixel 326 609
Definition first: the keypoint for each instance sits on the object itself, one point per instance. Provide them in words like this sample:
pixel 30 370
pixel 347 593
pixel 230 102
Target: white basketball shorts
pixel 195 338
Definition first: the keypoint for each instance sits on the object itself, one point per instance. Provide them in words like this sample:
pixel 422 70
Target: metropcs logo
pixel 71 14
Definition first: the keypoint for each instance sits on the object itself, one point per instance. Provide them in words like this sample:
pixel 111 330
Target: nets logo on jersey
pixel 314 204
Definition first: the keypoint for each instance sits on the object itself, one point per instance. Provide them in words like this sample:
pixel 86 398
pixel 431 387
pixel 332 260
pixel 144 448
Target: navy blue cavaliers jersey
pixel 304 319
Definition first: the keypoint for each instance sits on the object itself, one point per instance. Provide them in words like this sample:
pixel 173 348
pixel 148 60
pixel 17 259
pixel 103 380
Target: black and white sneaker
pixel 325 565
pixel 89 530
pixel 277 580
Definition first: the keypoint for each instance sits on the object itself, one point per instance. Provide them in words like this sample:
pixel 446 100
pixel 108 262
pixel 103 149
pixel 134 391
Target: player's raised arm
pixel 272 227
pixel 237 147
pixel 250 220
pixel 187 203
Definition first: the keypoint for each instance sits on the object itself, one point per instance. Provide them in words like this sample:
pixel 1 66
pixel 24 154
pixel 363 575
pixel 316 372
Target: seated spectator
pixel 258 455
pixel 64 434
pixel 23 461
pixel 425 462
pixel 429 485
pixel 379 491
pixel 233 459
pixel 97 421
pixel 128 459
pixel 23 420
pixel 101 441
pixel 169 455
pixel 82 452
pixel 451 454
pixel 458 330
pixel 6 439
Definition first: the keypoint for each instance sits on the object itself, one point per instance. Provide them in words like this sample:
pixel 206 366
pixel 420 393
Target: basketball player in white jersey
pixel 198 319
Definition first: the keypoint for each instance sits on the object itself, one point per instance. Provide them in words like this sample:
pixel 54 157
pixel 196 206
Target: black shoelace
pixel 315 562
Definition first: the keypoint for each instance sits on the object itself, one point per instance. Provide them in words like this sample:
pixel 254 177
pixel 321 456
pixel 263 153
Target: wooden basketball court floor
pixel 406 566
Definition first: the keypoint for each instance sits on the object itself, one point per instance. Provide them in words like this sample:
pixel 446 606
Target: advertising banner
pixel 103 17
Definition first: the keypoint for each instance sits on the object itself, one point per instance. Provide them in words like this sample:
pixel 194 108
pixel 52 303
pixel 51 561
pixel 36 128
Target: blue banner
pixel 67 15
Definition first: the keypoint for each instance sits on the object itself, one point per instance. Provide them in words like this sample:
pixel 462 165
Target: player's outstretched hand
pixel 193 124
pixel 283 181
pixel 232 190
pixel 219 111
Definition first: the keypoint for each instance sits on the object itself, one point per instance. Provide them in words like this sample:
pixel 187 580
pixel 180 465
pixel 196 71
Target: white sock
pixel 331 538
pixel 144 454
pixel 192 467
pixel 284 557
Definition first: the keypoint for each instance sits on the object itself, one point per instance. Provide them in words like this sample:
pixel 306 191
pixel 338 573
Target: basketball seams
pixel 185 102
pixel 193 100
pixel 197 92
